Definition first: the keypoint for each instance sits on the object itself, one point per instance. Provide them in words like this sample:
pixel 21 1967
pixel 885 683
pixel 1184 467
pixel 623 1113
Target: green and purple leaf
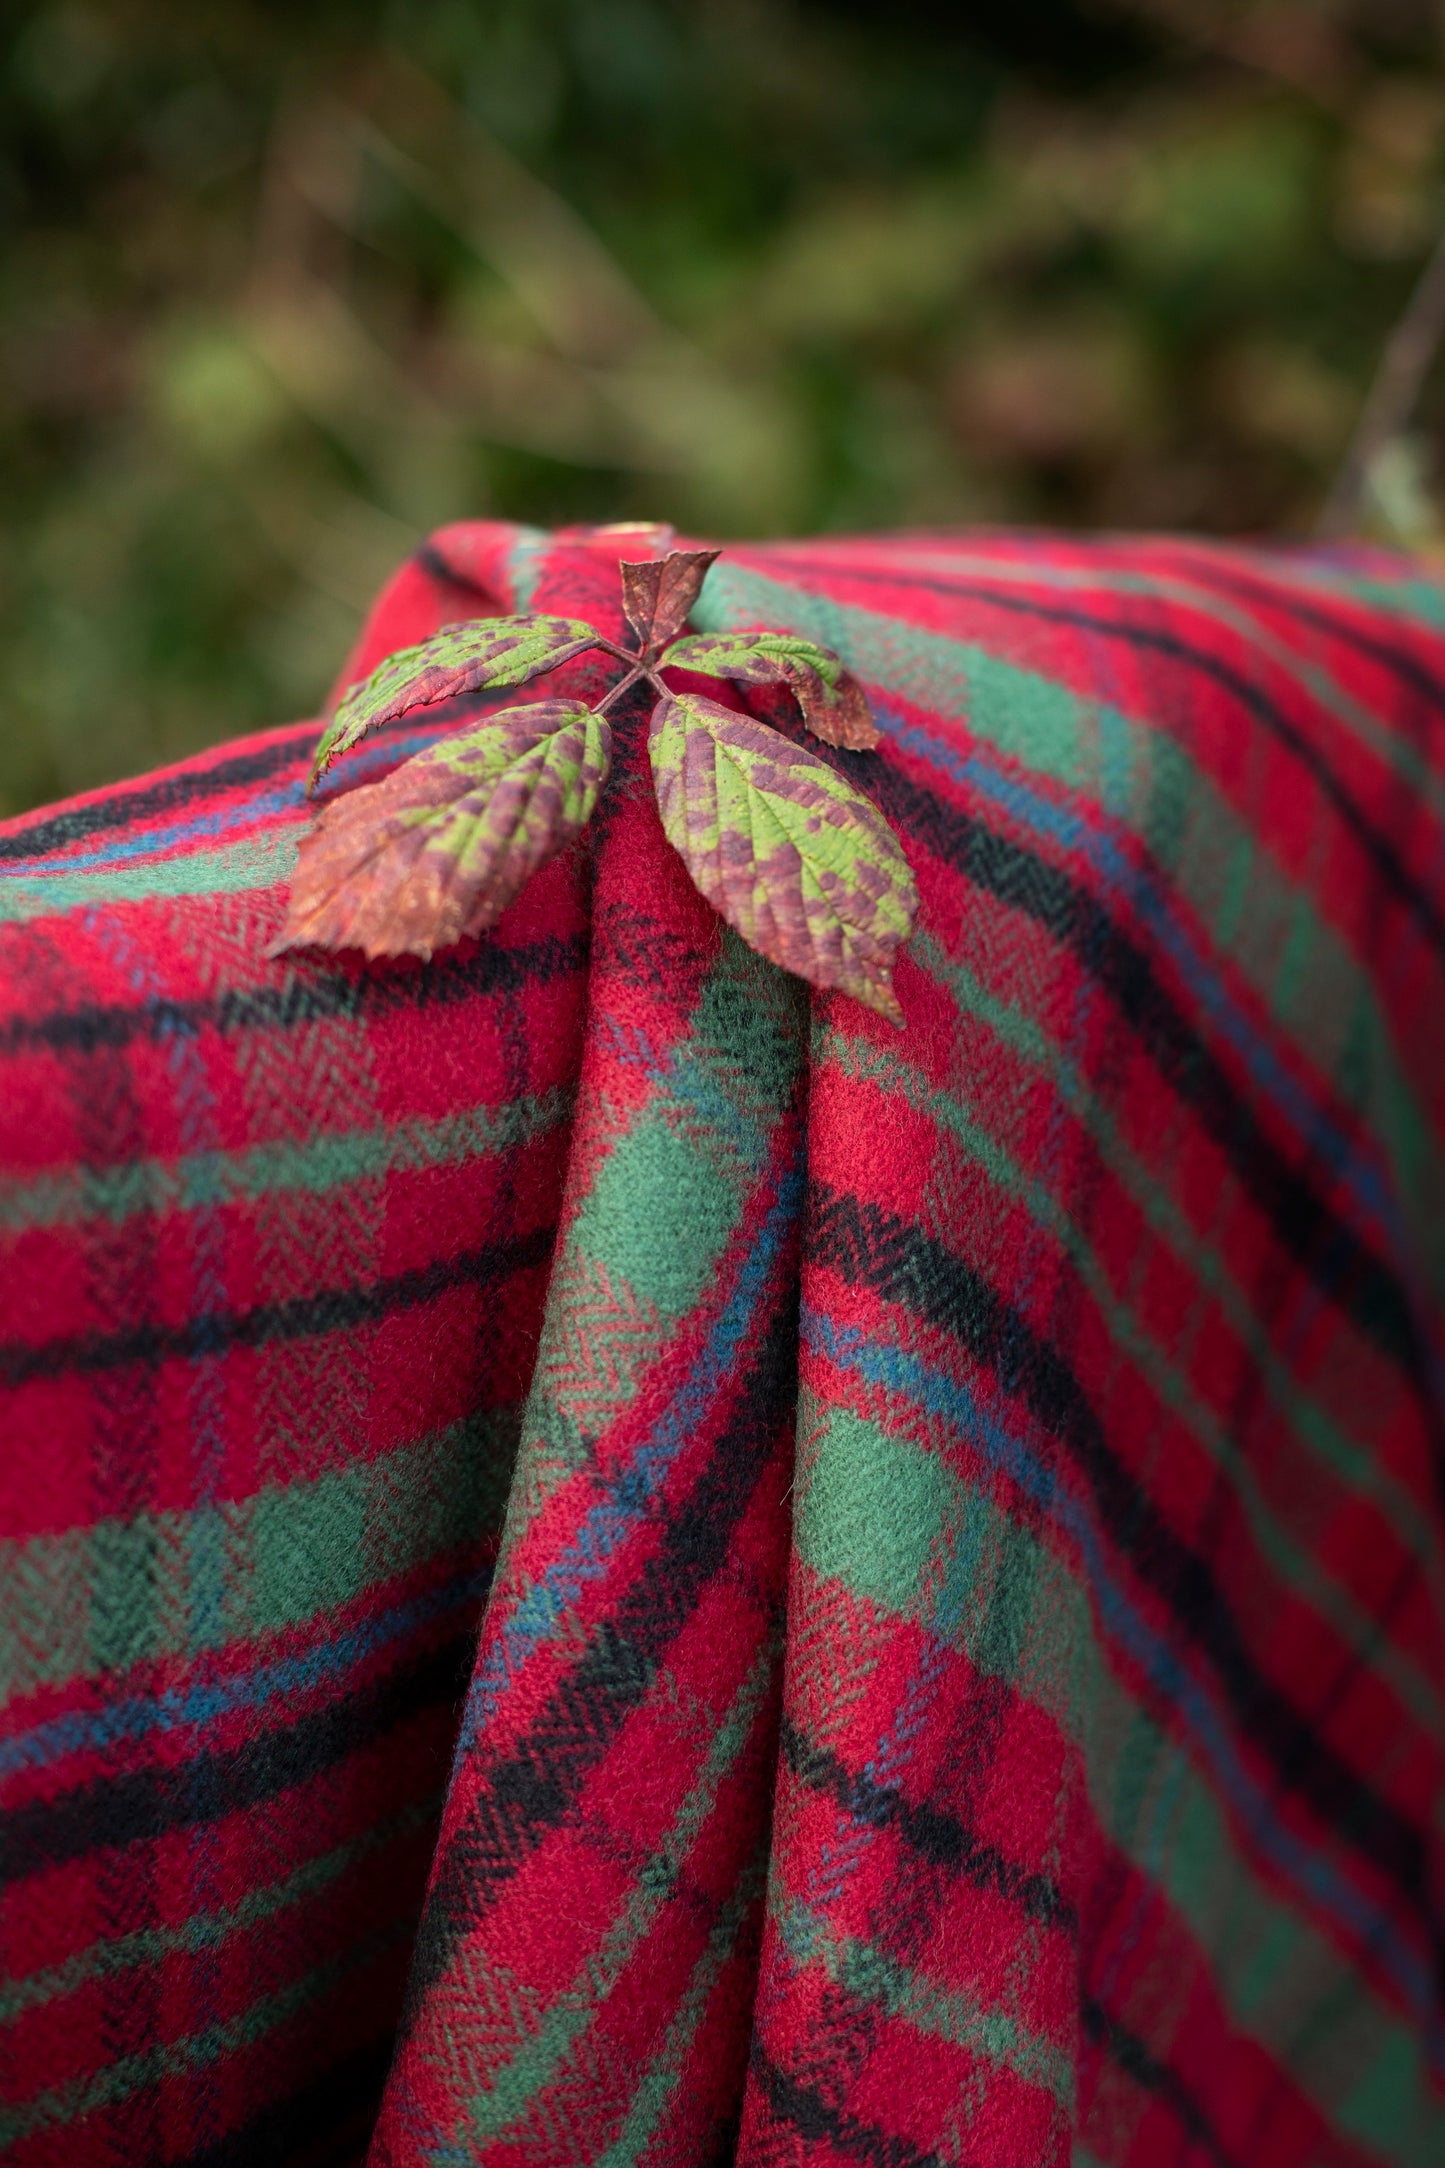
pixel 459 659
pixel 791 854
pixel 833 702
pixel 657 594
pixel 439 847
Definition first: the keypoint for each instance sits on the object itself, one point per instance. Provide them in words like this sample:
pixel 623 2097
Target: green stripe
pixel 663 2074
pixel 1257 919
pixel 1016 1611
pixel 1400 753
pixel 1354 1464
pixel 869 1975
pixel 1402 596
pixel 525 563
pixel 1421 599
pixel 118 1593
pixel 664 1201
pixel 131 2074
pixel 559 2035
pixel 1300 1566
pixel 262 861
pixel 669 1183
pixel 322 1163
pixel 209 1930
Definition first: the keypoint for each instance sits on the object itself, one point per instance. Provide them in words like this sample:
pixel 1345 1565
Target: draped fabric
pixel 607 1560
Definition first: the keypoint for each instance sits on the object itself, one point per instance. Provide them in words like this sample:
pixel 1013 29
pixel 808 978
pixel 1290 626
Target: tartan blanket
pixel 605 1560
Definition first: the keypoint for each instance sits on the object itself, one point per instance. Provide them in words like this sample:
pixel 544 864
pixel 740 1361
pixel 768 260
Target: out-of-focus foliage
pixel 283 285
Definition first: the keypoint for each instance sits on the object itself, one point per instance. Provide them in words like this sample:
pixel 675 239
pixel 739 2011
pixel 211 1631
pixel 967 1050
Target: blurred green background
pixel 282 286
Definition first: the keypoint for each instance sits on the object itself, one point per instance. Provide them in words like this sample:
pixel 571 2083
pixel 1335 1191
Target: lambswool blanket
pixel 608 1560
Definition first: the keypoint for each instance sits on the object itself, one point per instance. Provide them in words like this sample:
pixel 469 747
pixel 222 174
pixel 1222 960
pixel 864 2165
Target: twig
pixel 1399 381
pixel 1320 71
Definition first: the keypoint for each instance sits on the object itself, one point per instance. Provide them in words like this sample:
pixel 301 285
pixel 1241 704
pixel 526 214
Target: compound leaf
pixel 791 854
pixel 833 702
pixel 458 659
pixel 439 847
pixel 657 594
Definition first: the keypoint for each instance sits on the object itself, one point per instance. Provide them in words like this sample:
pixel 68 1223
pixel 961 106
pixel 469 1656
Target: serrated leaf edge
pixel 834 693
pixel 290 939
pixel 331 748
pixel 879 994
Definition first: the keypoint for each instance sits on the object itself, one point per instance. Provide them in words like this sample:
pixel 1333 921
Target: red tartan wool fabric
pixel 603 1560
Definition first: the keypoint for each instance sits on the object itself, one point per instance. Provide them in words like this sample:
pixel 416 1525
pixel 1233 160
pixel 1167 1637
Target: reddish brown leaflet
pixel 779 839
pixel 658 594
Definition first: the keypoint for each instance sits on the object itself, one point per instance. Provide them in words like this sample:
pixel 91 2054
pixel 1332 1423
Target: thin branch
pixel 1404 366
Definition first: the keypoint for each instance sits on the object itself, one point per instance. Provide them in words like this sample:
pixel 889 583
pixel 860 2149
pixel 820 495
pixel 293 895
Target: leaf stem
pixel 623 685
pixel 639 670
pixel 611 647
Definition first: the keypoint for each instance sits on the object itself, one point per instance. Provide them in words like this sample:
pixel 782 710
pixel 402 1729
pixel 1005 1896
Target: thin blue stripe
pixel 1134 885
pixel 180 1707
pixel 1311 1872
pixel 626 1498
pixel 687 1082
pixel 225 820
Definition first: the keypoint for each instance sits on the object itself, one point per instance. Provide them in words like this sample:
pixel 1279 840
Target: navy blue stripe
pixel 115 1811
pixel 869 1247
pixel 530 1790
pixel 429 559
pixel 803 2108
pixel 1337 1260
pixel 124 807
pixel 316 991
pixel 930 1831
pixel 1235 580
pixel 333 1309
pixel 1138 2061
pixel 1377 847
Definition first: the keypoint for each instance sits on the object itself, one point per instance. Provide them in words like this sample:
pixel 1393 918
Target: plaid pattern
pixel 601 1561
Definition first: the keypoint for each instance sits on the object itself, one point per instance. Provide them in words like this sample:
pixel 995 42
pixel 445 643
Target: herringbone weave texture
pixel 606 1563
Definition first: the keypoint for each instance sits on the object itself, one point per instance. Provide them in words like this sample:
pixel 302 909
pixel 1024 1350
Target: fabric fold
pixel 605 1560
pixel 584 1968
